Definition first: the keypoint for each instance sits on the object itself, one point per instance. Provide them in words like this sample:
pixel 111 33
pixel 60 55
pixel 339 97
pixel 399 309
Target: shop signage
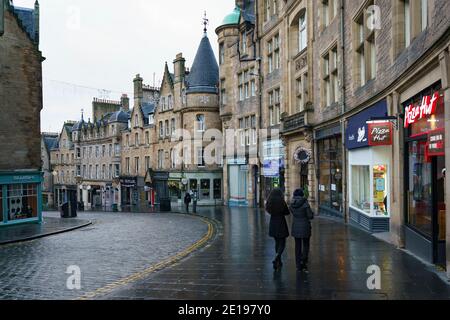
pixel 271 168
pixel 380 133
pixel 436 143
pixel 357 133
pixel 128 182
pixel 414 113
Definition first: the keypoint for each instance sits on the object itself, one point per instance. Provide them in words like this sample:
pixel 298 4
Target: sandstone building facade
pixel 20 89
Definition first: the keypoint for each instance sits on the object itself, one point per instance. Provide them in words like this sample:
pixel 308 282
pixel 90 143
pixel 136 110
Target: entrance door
pixel 439 216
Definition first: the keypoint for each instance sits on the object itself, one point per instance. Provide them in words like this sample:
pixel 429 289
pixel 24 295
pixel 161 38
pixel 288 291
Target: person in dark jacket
pixel 187 201
pixel 301 228
pixel 278 229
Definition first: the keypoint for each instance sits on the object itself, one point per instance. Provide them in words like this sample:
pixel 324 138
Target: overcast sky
pixel 96 45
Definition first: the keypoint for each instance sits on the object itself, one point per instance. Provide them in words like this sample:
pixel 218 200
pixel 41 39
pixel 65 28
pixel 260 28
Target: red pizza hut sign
pixel 380 133
pixel 414 113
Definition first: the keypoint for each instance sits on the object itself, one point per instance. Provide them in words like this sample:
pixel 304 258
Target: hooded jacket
pixel 301 224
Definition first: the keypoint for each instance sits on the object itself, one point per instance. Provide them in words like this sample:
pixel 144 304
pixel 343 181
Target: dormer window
pixel 151 119
pixel 136 121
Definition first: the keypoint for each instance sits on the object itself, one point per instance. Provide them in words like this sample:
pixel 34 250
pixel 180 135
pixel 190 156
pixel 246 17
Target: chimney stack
pixel 179 68
pixel 36 22
pixel 138 90
pixel 125 102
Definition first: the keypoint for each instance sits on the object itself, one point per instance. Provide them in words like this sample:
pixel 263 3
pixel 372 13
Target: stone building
pixel 240 105
pixel 137 147
pixel 62 160
pixel 20 90
pixel 98 145
pixel 169 131
pixel 48 142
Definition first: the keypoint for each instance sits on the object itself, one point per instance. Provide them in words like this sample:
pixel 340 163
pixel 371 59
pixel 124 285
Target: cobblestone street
pixel 238 266
pixel 117 245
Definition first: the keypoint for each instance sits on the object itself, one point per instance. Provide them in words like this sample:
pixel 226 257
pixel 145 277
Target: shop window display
pixel 217 189
pixel 420 197
pixel 205 185
pixel 361 188
pixel 380 190
pixel 22 201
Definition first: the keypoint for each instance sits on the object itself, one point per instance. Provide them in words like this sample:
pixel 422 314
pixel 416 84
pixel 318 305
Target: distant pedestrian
pixel 187 201
pixel 301 228
pixel 278 209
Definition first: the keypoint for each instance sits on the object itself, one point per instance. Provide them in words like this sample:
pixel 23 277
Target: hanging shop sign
pixel 302 155
pixel 380 133
pixel 414 113
pixel 357 133
pixel 436 143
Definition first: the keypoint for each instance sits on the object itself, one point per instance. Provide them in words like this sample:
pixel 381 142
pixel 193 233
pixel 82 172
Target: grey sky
pixel 104 43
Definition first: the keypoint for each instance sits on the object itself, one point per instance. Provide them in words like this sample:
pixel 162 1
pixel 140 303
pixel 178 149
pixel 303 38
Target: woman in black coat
pixel 278 229
pixel 301 228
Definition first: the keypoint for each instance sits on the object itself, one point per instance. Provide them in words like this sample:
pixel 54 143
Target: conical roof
pixel 204 75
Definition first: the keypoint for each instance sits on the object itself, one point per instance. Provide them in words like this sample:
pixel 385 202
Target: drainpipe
pixel 260 83
pixel 342 79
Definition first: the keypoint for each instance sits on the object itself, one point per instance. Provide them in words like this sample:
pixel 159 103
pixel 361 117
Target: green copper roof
pixel 232 18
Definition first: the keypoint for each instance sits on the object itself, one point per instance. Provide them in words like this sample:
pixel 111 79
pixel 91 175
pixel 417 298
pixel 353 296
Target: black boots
pixel 277 264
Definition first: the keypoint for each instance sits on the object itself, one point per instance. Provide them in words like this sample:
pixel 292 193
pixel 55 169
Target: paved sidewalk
pixel 238 266
pixel 50 226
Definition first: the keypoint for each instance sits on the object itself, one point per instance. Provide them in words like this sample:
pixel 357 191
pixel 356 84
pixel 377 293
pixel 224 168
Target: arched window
pixel 302 32
pixel 136 121
pixel 136 139
pixel 201 125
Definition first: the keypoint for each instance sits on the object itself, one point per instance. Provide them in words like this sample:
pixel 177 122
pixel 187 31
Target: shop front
pixel 329 170
pixel 207 186
pixel 20 197
pixel 425 174
pixel 129 191
pixel 273 168
pixel 368 143
pixel 238 170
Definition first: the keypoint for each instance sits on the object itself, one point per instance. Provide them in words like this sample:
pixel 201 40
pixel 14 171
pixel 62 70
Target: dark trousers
pixel 301 251
pixel 280 245
pixel 187 207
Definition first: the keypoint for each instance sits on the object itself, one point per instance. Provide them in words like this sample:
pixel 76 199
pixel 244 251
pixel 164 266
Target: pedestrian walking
pixel 278 229
pixel 187 201
pixel 301 228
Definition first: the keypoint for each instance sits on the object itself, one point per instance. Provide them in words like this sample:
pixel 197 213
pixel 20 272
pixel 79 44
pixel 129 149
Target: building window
pixel 78 171
pixel 160 159
pixel 361 188
pixel 104 172
pixel 172 159
pixel 217 189
pixel 301 92
pixel 205 189
pixel 247 131
pixel 110 173
pixel 201 125
pixel 116 170
pixel 84 172
pixel 117 149
pixel 252 82
pixel 128 140
pixel 136 165
pixel 268 13
pixel 244 43
pixel 103 151
pixel 274 107
pixel 151 119
pixel 303 32
pixel 147 138
pixel 97 173
pixel 22 201
pixel 241 86
pixel 136 139
pixel 200 161
pixel 273 53
pixel 110 150
pixel 167 128
pixel 136 121
pixel 329 11
pixel 78 153
pixel 221 53
pixel 161 129
pixel 364 50
pixel 330 78
pixel 147 163
pixel 223 93
pixel 90 172
pixel 127 165
pixel 172 127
